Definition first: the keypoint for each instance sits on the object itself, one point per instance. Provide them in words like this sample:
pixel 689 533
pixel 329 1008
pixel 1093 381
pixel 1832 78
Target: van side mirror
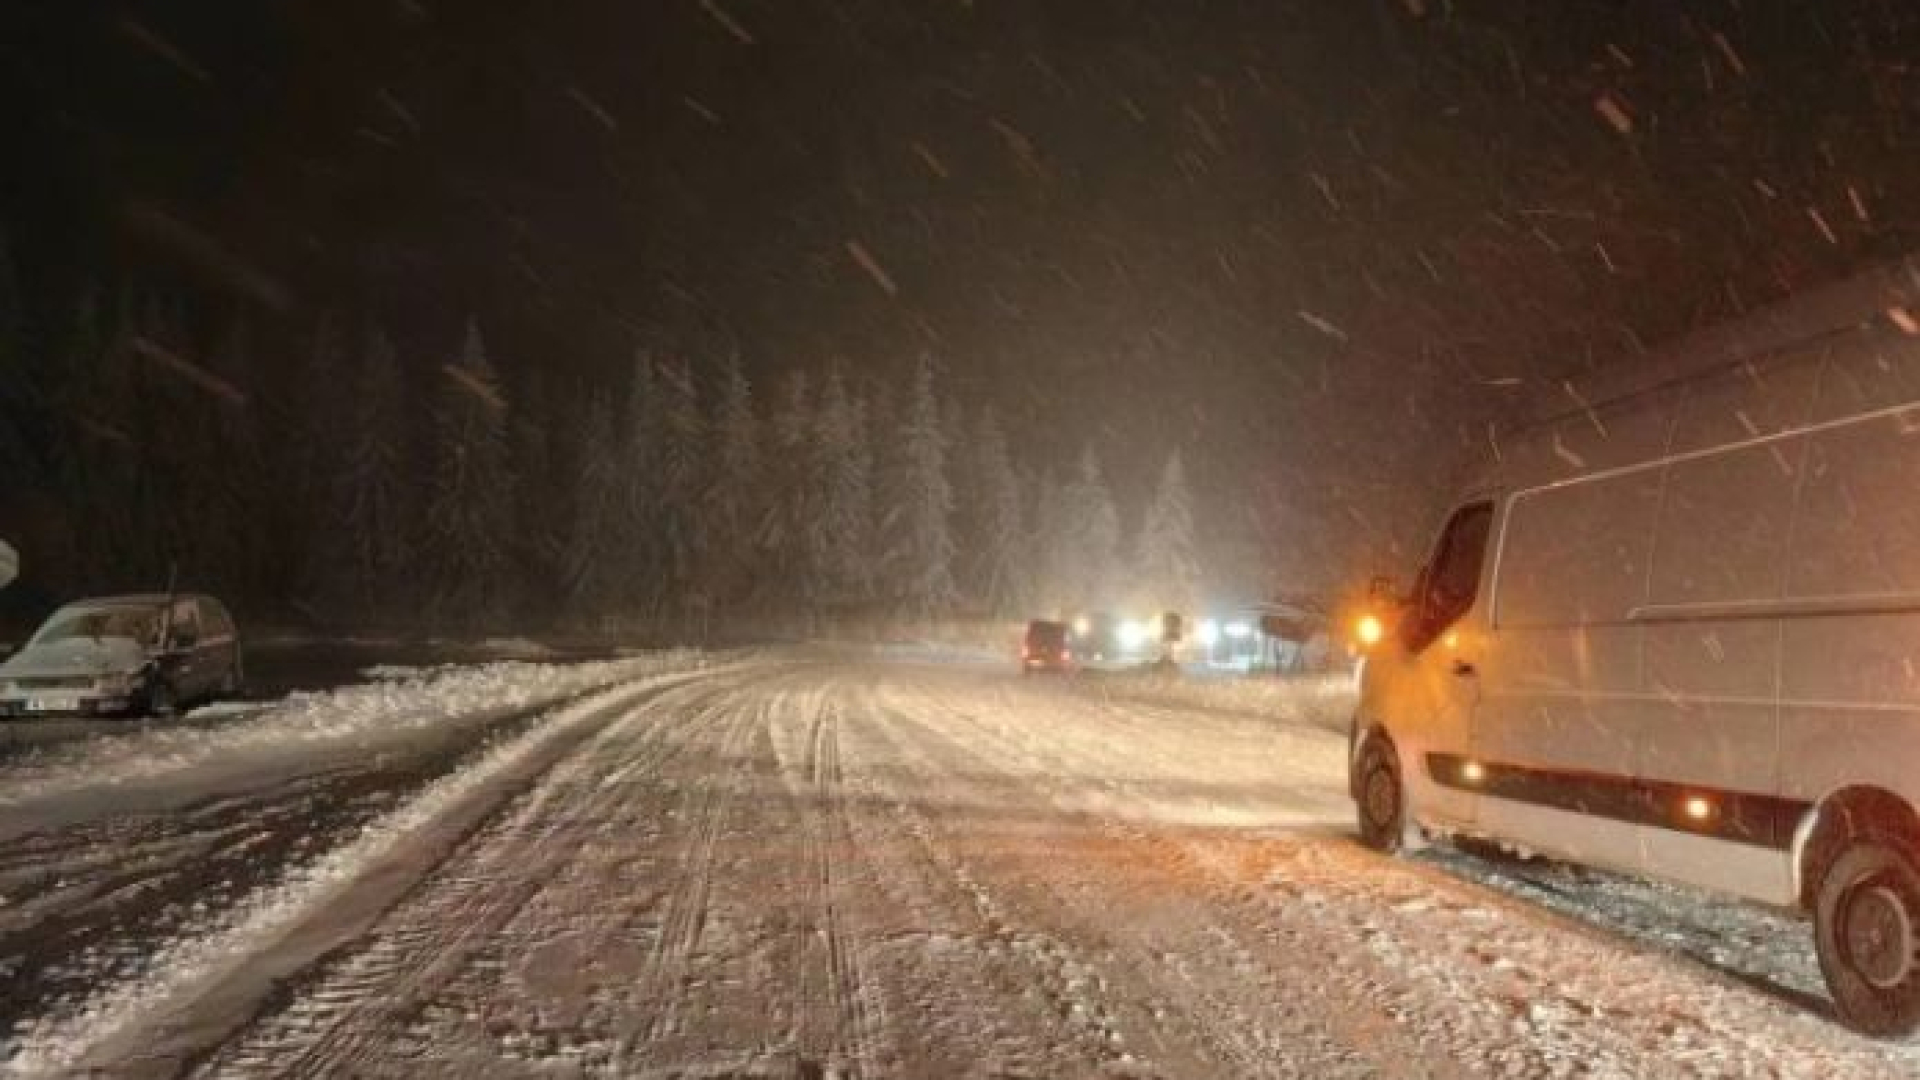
pixel 1384 591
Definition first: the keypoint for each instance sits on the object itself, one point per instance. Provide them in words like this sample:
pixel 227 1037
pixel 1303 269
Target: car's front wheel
pixel 1866 928
pixel 161 700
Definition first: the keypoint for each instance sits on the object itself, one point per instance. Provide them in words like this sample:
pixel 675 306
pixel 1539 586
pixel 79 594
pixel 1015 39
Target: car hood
pixel 79 656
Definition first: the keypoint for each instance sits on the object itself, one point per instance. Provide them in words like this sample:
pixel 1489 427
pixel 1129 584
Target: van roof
pixel 1832 310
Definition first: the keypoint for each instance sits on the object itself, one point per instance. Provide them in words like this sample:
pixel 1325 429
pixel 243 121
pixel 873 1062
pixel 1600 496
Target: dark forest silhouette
pixel 324 478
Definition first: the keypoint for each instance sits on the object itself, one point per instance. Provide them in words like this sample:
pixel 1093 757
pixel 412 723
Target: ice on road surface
pixel 814 863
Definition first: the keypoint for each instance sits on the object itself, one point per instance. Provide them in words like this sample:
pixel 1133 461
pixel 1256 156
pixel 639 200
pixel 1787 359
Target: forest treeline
pixel 331 480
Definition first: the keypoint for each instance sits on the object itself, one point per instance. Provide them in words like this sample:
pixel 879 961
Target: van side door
pixel 1562 690
pixel 1436 685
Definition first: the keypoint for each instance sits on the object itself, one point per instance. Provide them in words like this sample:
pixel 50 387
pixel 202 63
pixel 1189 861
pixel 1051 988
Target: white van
pixel 1674 629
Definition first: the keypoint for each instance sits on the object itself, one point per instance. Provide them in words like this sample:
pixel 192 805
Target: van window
pixel 1448 586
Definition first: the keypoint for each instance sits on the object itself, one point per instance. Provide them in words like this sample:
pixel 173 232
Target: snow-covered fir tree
pixel 594 565
pixel 541 504
pixel 922 547
pixel 641 553
pixel 371 488
pixel 837 537
pixel 1087 551
pixel 1166 563
pixel 998 523
pixel 683 480
pixel 221 531
pixel 790 480
pixel 737 500
pixel 470 502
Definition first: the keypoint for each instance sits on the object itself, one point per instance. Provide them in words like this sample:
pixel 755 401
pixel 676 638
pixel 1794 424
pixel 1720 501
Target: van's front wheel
pixel 1867 932
pixel 1382 799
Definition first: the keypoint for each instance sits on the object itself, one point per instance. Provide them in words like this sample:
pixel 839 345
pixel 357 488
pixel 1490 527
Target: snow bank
pixel 226 940
pixel 306 733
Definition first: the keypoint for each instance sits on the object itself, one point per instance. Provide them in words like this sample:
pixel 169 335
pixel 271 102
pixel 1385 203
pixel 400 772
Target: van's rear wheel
pixel 1866 929
pixel 1382 799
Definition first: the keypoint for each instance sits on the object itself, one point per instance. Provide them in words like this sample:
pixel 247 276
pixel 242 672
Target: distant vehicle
pixel 125 655
pixel 1672 632
pixel 1045 648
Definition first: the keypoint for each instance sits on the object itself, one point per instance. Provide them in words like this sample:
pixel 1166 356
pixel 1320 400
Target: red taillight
pixel 1024 652
pixel 1066 654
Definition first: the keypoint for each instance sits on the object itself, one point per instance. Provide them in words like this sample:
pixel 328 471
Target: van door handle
pixel 1464 669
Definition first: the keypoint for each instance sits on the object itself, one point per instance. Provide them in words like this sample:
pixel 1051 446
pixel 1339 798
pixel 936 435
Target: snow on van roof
pixel 1888 294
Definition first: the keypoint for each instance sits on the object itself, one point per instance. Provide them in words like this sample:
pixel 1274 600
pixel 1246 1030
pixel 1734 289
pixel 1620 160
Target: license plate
pixel 52 704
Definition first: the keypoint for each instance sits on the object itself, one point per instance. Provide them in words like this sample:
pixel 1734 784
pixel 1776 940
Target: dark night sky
pixel 1319 245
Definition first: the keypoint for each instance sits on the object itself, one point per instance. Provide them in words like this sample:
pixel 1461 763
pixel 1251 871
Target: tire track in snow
pixel 840 1039
pixel 351 1013
pixel 662 982
pixel 984 1020
pixel 1195 969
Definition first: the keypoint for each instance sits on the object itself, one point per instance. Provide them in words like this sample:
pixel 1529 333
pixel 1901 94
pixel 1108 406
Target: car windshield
pixel 138 624
pixel 1046 633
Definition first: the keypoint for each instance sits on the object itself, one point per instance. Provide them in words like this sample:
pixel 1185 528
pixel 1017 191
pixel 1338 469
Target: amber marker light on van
pixel 1368 631
pixel 1472 772
pixel 1697 808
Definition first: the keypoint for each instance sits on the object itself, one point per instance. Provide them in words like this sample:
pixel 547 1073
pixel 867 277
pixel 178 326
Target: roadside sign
pixel 9 564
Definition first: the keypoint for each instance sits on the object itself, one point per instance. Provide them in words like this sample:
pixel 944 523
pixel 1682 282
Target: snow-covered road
pixel 818 863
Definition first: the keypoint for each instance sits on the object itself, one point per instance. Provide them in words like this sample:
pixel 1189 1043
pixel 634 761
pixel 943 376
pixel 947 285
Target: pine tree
pixel 998 521
pixel 308 457
pixel 737 499
pixel 785 538
pixel 166 417
pixel 1166 565
pixel 595 564
pixel 1087 560
pixel 1050 534
pixel 923 546
pixel 87 466
pixel 108 419
pixel 683 482
pixel 642 548
pixel 540 512
pixel 470 508
pixel 838 532
pixel 223 527
pixel 371 488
